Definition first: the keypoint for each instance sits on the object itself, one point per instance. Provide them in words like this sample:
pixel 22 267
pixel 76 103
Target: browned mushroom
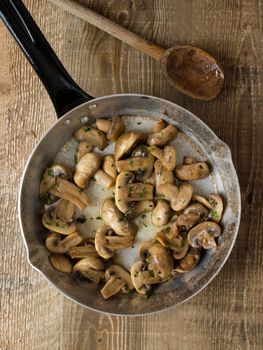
pixel 156 152
pixel 58 225
pixel 86 168
pixel 126 142
pixel 193 171
pixel 61 263
pixel 158 126
pixel 192 215
pixel 103 124
pixel 117 280
pixel 169 157
pixel 92 136
pixel 215 203
pixel 82 149
pixel 91 268
pixel 141 208
pixel 137 277
pixel 189 261
pixel 162 175
pixel 83 251
pixel 117 128
pixel 109 166
pixel 162 137
pixel 203 235
pixel 58 244
pixel 161 213
pixel 180 197
pixel 103 179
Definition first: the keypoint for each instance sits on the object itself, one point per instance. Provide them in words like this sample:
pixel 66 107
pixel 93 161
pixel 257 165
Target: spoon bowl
pixel 193 71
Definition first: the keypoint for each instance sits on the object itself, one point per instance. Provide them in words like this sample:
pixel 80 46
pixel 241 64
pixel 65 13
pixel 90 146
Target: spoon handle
pixel 111 28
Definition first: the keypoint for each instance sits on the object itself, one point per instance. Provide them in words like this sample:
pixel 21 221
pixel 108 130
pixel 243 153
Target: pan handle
pixel 63 91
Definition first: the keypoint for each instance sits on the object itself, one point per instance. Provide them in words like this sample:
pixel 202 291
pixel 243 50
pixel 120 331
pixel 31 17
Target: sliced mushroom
pixel 117 280
pixel 126 142
pixel 127 192
pixel 92 136
pixel 182 249
pixel 57 225
pixel 61 263
pixel 114 218
pixel 141 208
pixel 161 213
pixel 137 278
pixel 117 128
pixel 215 203
pixel 158 126
pixel 64 210
pixel 192 215
pixel 189 261
pixel 103 179
pixel 180 197
pixel 91 268
pixel 160 261
pixel 57 244
pixel 106 241
pixel 143 249
pixel 49 179
pixel 86 168
pixel 156 152
pixel 83 251
pixel 82 149
pixel 170 238
pixel 141 163
pixel 203 235
pixel 109 166
pixel 103 124
pixel 67 190
pixel 169 157
pixel 162 137
pixel 162 175
pixel 193 171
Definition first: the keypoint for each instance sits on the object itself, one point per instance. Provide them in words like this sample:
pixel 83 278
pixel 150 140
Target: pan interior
pixel 194 139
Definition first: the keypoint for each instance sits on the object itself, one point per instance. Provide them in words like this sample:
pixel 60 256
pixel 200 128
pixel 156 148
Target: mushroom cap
pixel 160 260
pixel 194 171
pixel 61 245
pixel 203 235
pixel 114 218
pixel 169 157
pixel 91 268
pixel 82 149
pixel 169 191
pixel 121 191
pixel 57 225
pixel 116 129
pixel 86 168
pixel 183 198
pixel 162 137
pixel 141 208
pixel 189 261
pixel 192 215
pixel 49 179
pixel 126 142
pixel 161 213
pixel 61 263
pixel 67 190
pixel 92 136
pixel 103 124
pixel 140 286
pixel 117 279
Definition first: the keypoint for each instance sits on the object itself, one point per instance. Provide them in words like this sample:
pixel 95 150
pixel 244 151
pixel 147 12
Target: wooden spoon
pixel 189 69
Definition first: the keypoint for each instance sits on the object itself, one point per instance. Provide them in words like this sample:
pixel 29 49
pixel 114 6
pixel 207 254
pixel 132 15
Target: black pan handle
pixel 63 91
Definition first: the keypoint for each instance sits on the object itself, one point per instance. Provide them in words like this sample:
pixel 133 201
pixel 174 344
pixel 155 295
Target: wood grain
pixel 228 314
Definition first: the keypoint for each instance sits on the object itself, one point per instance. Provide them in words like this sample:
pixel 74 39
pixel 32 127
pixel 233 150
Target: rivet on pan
pixel 84 119
pixel 93 106
pixel 67 122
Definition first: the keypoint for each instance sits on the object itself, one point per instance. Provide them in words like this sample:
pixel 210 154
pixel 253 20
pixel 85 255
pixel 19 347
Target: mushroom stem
pixel 139 192
pixel 112 287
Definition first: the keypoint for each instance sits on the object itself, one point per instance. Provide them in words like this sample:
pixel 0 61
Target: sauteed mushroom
pixel 106 241
pixel 58 225
pixel 91 268
pixel 109 166
pixel 117 128
pixel 192 215
pixel 61 263
pixel 86 168
pixel 126 142
pixel 162 137
pixel 215 203
pixel 103 124
pixel 193 171
pixel 82 149
pixel 162 175
pixel 161 213
pixel 117 279
pixel 169 157
pixel 57 244
pixel 180 197
pixel 49 179
pixel 137 277
pixel 156 152
pixel 141 208
pixel 160 261
pixel 67 190
pixel 64 210
pixel 116 220
pixel 83 251
pixel 203 235
pixel 103 179
pixel 189 261
pixel 92 136
pixel 127 192
pixel 158 126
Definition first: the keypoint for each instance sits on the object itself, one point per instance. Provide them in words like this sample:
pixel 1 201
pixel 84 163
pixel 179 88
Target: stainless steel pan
pixel 74 107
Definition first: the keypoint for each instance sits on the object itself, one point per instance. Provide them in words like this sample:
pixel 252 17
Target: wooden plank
pixel 227 315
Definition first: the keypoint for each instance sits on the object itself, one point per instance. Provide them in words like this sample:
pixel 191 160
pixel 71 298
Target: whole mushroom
pixel 126 142
pixel 203 235
pixel 193 171
pixel 162 137
pixel 86 168
pixel 180 197
pixel 92 136
pixel 161 213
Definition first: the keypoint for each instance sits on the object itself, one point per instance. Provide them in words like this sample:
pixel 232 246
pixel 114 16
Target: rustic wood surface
pixel 228 314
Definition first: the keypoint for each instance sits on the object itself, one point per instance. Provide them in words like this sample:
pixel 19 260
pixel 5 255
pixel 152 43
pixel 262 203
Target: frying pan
pixel 74 108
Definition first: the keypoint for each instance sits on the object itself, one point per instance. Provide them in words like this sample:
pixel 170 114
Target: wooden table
pixel 228 314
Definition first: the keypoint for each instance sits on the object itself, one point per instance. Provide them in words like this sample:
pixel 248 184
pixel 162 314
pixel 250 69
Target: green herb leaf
pixel 144 224
pixel 143 216
pixel 213 213
pixel 45 198
pixel 87 128
pixel 51 173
